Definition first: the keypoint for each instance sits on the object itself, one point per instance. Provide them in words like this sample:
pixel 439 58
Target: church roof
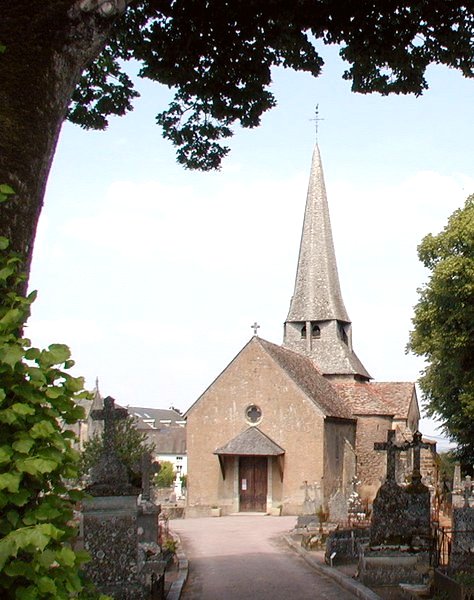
pixel 377 398
pixel 362 398
pixel 252 442
pixel 398 395
pixel 317 295
pixel 309 379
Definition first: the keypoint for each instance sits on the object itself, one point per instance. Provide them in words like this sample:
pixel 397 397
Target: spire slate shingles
pixel 317 295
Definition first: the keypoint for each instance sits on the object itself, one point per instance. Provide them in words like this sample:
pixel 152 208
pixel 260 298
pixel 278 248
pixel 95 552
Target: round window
pixel 253 413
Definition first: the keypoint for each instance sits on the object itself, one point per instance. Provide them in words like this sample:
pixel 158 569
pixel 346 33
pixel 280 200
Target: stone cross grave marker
pixel 391 447
pixel 109 414
pixel 109 475
pixel 417 444
pixel 148 468
pixel 391 502
pixel 418 516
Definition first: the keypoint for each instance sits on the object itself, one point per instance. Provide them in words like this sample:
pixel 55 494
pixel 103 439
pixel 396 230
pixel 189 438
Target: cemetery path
pixel 245 557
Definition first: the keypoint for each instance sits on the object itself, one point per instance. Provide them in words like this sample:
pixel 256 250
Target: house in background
pixel 165 428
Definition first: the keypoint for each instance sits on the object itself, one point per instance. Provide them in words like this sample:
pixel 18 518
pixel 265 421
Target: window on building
pixel 303 332
pixel 315 331
pixel 342 333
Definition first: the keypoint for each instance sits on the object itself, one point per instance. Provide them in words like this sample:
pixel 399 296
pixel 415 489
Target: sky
pixel 153 275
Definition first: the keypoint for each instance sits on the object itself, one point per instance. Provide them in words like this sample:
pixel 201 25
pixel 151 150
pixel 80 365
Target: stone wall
pixel 289 418
pixel 339 467
pixel 371 465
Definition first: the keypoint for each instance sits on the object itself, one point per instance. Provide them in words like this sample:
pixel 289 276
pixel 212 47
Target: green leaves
pixel 30 539
pixel 218 59
pixel 36 455
pixel 444 327
pixel 5 192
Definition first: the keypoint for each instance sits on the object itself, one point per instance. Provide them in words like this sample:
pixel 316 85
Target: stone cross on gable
pixel 148 468
pixel 391 447
pixel 109 414
pixel 255 327
pixel 417 444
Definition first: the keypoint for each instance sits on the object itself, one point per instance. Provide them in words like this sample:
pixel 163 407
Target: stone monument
pixel 148 511
pixel 398 549
pixel 462 546
pixel 110 519
pixel 338 508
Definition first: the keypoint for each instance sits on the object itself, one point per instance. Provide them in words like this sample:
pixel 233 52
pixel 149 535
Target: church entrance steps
pixel 248 514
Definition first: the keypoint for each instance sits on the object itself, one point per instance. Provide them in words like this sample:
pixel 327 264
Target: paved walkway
pixel 245 557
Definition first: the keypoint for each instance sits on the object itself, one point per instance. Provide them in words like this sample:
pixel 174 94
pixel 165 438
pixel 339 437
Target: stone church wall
pixel 339 459
pixel 371 465
pixel 289 418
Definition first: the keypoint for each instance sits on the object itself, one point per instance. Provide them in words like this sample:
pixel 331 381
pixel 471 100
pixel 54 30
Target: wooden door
pixel 253 483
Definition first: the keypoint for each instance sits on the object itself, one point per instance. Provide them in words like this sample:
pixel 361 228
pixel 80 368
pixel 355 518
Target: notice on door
pixel 244 484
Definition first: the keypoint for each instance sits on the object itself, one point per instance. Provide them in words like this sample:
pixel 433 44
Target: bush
pixel 37 397
pixel 166 476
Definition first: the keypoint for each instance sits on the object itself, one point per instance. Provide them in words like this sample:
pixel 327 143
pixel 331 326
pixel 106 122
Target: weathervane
pixel 316 120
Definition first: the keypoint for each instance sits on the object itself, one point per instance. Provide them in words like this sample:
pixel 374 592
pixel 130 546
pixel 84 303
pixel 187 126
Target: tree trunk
pixel 47 46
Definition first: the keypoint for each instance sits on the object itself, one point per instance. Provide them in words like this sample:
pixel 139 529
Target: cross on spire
pixel 391 448
pixel 255 327
pixel 316 119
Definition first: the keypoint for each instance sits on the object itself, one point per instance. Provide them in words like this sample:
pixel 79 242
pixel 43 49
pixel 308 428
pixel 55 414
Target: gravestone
pixel 338 508
pixel 309 507
pixel 418 517
pixel 398 550
pixel 462 545
pixel 390 504
pixel 109 475
pixel 148 511
pixel 457 478
pixel 110 519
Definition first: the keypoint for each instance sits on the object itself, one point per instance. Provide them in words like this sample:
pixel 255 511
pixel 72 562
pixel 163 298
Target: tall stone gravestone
pixel 148 511
pixel 338 508
pixel 398 550
pixel 457 496
pixel 110 519
pixel 418 517
pixel 462 545
pixel 391 503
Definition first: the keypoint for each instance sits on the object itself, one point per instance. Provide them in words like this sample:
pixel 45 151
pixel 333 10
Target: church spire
pixel 318 324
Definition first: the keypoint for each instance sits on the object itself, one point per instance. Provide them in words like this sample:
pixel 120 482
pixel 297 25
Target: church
pixel 280 420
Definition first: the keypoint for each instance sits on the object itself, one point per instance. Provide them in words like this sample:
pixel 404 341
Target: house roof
pixel 308 378
pixel 168 440
pixel 154 418
pixel 252 442
pixel 377 398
